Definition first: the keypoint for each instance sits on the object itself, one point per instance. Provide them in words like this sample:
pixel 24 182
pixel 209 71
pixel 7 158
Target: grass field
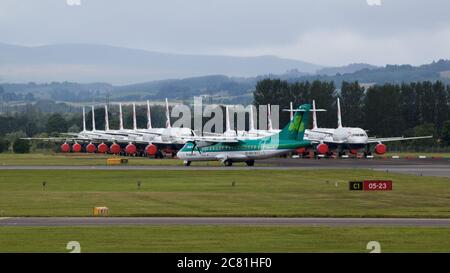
pixel 223 239
pixel 210 193
pixel 83 159
pixel 417 154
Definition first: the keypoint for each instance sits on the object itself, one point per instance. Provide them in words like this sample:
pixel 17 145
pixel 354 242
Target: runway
pixel 421 167
pixel 253 221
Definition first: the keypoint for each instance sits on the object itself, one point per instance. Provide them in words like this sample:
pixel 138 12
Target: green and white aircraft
pixel 229 150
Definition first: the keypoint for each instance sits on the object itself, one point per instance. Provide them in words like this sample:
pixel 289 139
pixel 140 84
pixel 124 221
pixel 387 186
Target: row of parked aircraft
pixel 232 145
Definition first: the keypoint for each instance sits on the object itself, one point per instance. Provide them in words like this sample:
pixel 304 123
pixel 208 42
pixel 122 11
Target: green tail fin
pixel 295 129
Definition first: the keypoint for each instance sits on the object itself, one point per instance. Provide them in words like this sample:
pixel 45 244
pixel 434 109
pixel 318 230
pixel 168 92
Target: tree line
pixel 407 109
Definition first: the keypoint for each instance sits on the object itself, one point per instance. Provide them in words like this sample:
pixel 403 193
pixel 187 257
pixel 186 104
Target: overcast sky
pixel 326 32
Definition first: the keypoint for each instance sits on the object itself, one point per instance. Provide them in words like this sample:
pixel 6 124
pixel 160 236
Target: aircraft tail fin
pixel 291 111
pixel 251 119
pixel 134 117
pixel 339 114
pixel 269 118
pixel 149 117
pixel 106 118
pixel 84 120
pixel 120 117
pixel 295 129
pixel 93 118
pixel 167 115
pixel 314 115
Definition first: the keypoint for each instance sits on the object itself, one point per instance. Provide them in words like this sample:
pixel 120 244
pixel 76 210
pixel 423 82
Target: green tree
pixel 21 146
pixel 382 112
pixel 426 129
pixel 351 96
pixel 446 132
pixel 56 123
pixel 4 145
pixel 323 94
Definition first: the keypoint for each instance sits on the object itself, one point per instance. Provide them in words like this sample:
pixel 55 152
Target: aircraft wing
pixel 148 133
pixel 389 139
pixel 321 132
pixel 57 139
pixel 212 139
pixel 318 141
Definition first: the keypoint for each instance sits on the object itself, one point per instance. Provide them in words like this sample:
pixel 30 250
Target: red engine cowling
pixel 76 148
pixel 90 148
pixel 130 149
pixel 151 149
pixel 380 149
pixel 115 148
pixel 322 148
pixel 103 148
pixel 65 148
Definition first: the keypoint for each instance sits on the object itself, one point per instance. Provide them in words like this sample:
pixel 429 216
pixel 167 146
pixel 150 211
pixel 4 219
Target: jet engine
pixel 322 148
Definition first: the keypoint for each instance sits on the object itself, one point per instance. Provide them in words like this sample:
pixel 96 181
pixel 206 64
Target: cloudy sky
pixel 326 32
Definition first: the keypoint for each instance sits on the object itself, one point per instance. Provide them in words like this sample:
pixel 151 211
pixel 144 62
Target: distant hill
pixel 116 65
pixel 220 88
pixel 351 68
pixel 390 74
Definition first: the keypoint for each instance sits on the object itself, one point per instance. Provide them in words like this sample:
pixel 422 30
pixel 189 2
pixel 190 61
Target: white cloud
pixel 374 2
pixel 73 2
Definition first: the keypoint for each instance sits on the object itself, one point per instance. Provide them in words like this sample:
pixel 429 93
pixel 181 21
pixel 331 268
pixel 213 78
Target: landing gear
pixel 159 154
pixel 367 151
pixel 228 163
pixel 187 163
pixel 250 163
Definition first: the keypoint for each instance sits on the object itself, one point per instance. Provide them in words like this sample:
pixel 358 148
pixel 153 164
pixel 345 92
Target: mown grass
pixel 223 239
pixel 289 193
pixel 417 154
pixel 84 159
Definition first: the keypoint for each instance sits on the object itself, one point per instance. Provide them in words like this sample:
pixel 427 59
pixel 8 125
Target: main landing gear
pixel 367 151
pixel 187 163
pixel 228 163
pixel 250 163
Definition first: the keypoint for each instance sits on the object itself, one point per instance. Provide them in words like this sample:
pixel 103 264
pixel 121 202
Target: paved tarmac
pixel 421 167
pixel 254 221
